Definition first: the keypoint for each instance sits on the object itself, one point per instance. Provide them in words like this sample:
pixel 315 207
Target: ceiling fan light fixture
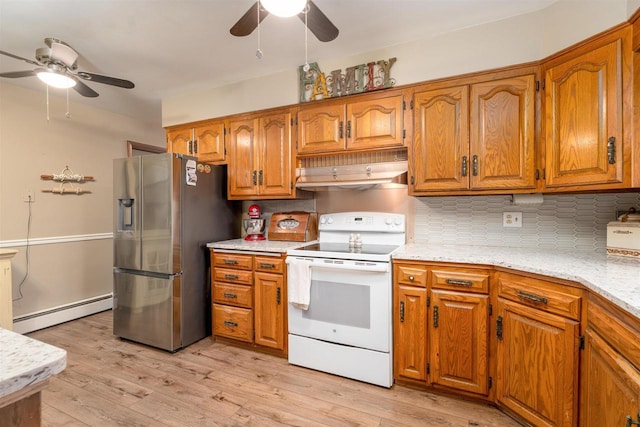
pixel 284 8
pixel 55 79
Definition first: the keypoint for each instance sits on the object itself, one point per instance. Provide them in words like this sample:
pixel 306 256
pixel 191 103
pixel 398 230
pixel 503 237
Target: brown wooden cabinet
pixel 610 378
pixel 410 335
pixel 249 298
pixel 261 156
pixel 459 329
pixel 537 350
pixel 478 135
pixel 335 126
pixel 587 106
pixel 204 141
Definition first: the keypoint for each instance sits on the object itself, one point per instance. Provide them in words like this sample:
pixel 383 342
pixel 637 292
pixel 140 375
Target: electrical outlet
pixel 512 219
pixel 29 196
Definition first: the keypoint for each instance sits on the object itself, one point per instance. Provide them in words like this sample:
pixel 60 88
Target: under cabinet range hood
pixel 353 177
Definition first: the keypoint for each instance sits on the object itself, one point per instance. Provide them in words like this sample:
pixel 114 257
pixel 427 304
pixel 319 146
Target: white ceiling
pixel 168 47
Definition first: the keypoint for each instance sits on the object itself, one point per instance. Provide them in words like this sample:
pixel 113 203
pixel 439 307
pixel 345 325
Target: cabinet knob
pixel 411 278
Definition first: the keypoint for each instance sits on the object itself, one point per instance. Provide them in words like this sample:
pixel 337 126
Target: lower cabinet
pixel 610 369
pixel 248 298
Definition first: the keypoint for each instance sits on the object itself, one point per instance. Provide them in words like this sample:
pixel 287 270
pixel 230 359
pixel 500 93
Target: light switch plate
pixel 512 219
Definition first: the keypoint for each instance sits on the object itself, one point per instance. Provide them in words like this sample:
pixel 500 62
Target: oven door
pixel 350 303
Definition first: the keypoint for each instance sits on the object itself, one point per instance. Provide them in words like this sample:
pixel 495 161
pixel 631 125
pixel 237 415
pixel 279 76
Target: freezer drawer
pixel 144 309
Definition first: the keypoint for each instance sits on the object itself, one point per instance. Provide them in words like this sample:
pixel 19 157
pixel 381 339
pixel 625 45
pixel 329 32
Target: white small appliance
pixel 346 329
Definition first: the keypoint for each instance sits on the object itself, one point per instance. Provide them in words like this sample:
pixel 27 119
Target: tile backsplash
pixel 562 222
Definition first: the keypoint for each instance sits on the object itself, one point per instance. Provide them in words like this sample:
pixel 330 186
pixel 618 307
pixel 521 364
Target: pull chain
pixel 258 52
pixel 306 39
pixel 47 103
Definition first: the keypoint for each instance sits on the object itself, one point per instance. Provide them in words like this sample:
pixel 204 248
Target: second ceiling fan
pixel 316 21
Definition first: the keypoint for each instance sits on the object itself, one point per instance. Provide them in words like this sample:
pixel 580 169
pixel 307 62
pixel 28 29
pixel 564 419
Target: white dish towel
pixel 299 282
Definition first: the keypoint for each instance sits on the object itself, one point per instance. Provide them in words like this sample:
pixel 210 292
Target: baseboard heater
pixel 64 313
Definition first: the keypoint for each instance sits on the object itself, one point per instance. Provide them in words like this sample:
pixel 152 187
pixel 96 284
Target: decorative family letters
pixel 315 85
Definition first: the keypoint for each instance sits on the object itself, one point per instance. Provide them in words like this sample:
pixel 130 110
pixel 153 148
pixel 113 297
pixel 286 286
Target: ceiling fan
pixel 57 67
pixel 316 21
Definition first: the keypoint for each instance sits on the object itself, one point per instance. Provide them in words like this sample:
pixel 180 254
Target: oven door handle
pixel 340 265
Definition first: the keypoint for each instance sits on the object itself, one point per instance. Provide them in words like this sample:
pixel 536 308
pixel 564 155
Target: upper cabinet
pixel 261 156
pixel 477 136
pixel 336 126
pixel 588 115
pixel 205 141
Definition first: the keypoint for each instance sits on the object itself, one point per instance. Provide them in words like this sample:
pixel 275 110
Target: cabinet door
pixel 610 384
pixel 583 112
pixel 321 129
pixel 243 168
pixel 209 146
pixel 375 124
pixel 537 361
pixel 275 177
pixel 502 134
pixel 180 141
pixel 269 310
pixel 439 159
pixel 410 333
pixel 458 340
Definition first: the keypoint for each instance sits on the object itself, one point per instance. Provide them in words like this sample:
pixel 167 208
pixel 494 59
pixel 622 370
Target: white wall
pixel 515 40
pixel 60 273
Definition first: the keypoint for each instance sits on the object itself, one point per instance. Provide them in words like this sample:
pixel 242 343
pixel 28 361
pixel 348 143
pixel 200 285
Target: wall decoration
pixel 316 85
pixel 66 179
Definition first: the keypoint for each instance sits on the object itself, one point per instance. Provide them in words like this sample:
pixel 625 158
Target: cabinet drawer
pixel 233 276
pixel 243 262
pixel 269 264
pixel 239 295
pixel 233 322
pixel 460 280
pixel 412 275
pixel 562 300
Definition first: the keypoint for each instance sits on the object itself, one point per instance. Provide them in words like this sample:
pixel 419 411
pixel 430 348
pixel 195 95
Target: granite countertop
pixel 25 361
pixel 257 246
pixel 615 278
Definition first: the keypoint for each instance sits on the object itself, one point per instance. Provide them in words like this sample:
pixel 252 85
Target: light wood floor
pixel 111 382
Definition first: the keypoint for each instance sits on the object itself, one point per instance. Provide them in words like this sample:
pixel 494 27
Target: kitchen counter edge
pixel 617 279
pixel 274 246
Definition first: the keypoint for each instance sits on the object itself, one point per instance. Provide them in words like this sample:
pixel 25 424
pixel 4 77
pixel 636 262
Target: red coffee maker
pixel 254 226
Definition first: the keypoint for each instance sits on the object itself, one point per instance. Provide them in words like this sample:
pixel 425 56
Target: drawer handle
pixel 402 311
pixel 532 297
pixel 630 421
pixel 411 278
pixel 228 295
pixel 230 262
pixel 266 265
pixel 231 276
pixel 230 323
pixel 457 282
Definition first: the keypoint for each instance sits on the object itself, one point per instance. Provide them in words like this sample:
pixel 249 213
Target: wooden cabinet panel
pixel 179 140
pixel 561 300
pixel 460 279
pixel 209 142
pixel 269 310
pixel 269 264
pixel 275 176
pixel 611 385
pixel 233 322
pixel 410 332
pixel 223 259
pixel 411 275
pixel 374 123
pixel 502 133
pixel 537 361
pixel 458 340
pixel 321 129
pixel 233 276
pixel 583 119
pixel 227 293
pixel 243 168
pixel 439 159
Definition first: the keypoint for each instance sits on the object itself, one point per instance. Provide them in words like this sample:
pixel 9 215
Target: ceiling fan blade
pixel 28 61
pixel 319 24
pixel 16 74
pixel 84 90
pixel 106 80
pixel 249 21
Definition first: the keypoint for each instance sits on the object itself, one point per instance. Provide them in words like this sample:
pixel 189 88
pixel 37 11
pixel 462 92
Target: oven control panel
pixel 362 221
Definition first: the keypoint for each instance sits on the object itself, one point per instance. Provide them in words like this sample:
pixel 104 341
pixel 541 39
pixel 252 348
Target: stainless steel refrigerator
pixel 166 209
